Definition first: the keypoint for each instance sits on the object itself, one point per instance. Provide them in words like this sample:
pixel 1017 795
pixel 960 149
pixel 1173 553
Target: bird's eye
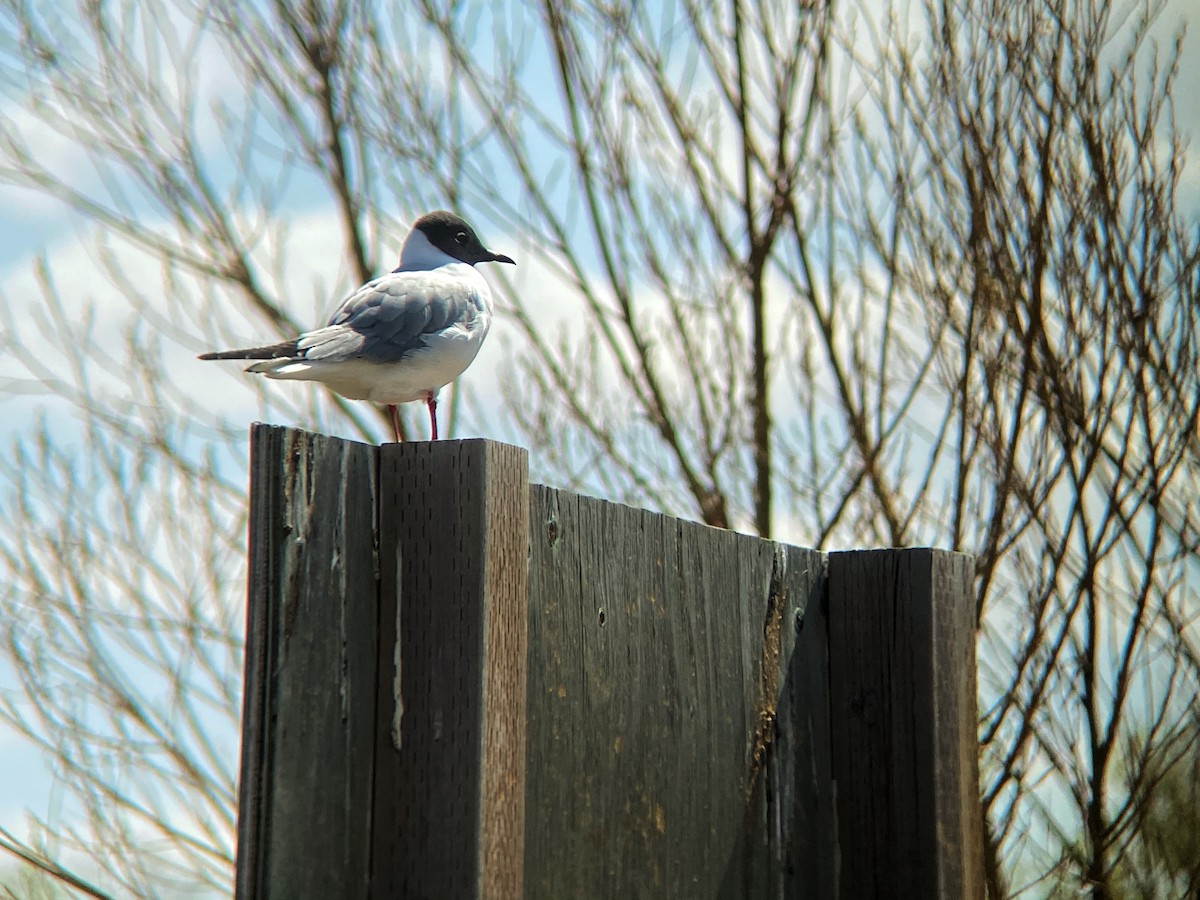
pixel 460 238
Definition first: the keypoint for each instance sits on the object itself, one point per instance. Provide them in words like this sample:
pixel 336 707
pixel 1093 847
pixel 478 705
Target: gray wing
pixel 388 318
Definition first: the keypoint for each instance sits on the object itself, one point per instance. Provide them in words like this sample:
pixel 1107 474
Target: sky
pixel 33 226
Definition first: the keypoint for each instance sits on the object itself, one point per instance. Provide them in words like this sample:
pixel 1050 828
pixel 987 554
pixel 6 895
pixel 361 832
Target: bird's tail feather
pixel 274 351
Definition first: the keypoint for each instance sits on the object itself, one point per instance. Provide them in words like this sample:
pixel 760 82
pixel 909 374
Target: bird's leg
pixel 395 421
pixel 432 403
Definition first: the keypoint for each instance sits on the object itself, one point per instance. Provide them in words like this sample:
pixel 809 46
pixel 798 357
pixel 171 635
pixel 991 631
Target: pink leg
pixel 432 403
pixel 395 422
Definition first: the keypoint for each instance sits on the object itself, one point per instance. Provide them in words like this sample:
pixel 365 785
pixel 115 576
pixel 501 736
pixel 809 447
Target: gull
pixel 402 336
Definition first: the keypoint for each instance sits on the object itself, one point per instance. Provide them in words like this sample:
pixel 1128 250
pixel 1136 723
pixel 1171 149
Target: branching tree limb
pixel 818 272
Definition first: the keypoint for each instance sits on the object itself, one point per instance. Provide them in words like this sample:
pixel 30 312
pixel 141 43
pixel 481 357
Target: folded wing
pixel 384 321
pixel 389 318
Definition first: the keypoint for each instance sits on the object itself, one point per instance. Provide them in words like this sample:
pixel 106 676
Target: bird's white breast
pixel 445 355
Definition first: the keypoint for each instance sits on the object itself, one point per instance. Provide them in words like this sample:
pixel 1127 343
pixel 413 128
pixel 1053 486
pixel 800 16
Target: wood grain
pixel 459 686
pixel 902 670
pixel 450 747
pixel 309 708
pixel 659 651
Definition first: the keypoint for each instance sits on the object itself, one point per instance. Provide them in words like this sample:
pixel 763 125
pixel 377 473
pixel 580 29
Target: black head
pixel 453 236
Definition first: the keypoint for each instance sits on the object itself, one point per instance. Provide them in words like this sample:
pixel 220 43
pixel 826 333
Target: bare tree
pixel 919 278
pixel 122 626
pixel 1058 279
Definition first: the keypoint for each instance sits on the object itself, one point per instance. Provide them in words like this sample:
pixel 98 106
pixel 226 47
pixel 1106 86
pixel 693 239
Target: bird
pixel 400 337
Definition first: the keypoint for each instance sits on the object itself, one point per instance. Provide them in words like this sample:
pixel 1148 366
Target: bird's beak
pixel 500 257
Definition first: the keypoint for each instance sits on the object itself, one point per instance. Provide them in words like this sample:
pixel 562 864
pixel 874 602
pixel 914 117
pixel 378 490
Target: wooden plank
pixel 792 850
pixel 450 750
pixel 694 695
pixel 304 815
pixel 902 670
pixel 659 650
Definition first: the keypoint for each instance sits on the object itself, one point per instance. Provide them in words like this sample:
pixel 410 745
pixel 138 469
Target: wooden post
pixel 903 718
pixel 384 714
pixel 450 751
pixel 308 715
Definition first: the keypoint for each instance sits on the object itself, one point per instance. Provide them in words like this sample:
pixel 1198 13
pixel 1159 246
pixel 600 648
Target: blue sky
pixel 31 225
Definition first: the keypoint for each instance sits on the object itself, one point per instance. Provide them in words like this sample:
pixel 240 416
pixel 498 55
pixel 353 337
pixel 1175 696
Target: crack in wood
pixel 768 677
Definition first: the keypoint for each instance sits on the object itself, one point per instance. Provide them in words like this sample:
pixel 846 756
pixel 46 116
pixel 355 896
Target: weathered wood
pixel 797 822
pixel 902 671
pixel 706 714
pixel 309 707
pixel 450 747
pixel 659 651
